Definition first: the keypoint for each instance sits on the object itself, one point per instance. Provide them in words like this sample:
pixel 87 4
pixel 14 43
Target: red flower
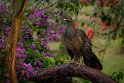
pixel 90 33
pixel 104 28
pixel 93 18
pixel 116 3
pixel 107 3
pixel 99 23
pixel 75 24
pixel 85 2
pixel 105 22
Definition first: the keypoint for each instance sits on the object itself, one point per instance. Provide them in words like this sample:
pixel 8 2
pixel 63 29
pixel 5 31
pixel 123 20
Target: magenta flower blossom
pixel 3 8
pixel 38 23
pixel 37 13
pixel 28 70
pixel 7 31
pixel 58 12
pixel 20 51
pixel 46 54
pixel 44 43
pixel 33 46
pixel 44 18
pixel 1 43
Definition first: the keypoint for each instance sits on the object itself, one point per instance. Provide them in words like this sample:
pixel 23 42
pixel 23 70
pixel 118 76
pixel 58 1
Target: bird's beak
pixel 67 20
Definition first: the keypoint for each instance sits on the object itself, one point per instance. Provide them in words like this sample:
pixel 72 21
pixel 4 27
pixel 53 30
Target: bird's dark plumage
pixel 78 45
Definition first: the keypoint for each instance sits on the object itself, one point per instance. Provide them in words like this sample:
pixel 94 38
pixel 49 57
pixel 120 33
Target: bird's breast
pixel 74 43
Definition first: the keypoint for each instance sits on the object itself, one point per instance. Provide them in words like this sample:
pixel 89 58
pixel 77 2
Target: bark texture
pixel 18 12
pixel 59 74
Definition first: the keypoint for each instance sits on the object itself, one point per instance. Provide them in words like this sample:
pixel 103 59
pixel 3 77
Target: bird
pixel 79 46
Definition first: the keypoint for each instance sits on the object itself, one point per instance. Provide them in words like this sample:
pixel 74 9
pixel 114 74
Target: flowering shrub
pixel 32 55
pixel 109 18
pixel 25 70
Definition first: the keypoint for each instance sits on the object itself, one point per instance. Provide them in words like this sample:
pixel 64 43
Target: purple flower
pixel 29 66
pixel 37 13
pixel 46 54
pixel 23 72
pixel 44 18
pixel 58 12
pixel 33 46
pixel 39 63
pixel 43 23
pixel 88 1
pixel 27 70
pixel 43 43
pixel 3 8
pixel 38 23
pixel 55 38
pixel 7 30
pixel 20 51
pixel 20 45
pixel 37 51
pixel 26 33
pixel 1 43
pixel 51 31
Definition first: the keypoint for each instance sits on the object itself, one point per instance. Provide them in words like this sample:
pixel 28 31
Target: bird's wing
pixel 89 57
pixel 84 37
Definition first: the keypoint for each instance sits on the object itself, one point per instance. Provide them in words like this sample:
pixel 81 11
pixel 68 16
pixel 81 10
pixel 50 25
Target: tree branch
pixel 71 70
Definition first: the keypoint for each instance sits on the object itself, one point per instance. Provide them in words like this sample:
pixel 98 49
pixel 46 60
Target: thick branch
pixel 72 70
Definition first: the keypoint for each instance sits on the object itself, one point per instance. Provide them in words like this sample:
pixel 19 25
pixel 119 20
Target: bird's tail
pixel 91 60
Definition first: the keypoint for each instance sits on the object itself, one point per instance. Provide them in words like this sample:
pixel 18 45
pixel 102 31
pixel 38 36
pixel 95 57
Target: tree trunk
pixel 18 11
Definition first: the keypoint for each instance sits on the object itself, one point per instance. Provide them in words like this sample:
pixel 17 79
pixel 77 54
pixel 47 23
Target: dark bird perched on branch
pixel 78 45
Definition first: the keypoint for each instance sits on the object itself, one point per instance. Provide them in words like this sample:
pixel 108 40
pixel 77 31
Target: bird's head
pixel 68 19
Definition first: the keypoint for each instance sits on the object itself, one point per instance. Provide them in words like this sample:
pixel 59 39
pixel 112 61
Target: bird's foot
pixel 70 62
pixel 79 65
pixel 80 62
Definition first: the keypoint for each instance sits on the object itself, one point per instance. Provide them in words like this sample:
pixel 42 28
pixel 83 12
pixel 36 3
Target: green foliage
pixel 61 47
pixel 70 6
pixel 113 16
pixel 59 59
pixel 79 80
pixel 48 62
pixel 82 24
pixel 118 76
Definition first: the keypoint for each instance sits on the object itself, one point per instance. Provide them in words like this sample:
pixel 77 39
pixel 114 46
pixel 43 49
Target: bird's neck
pixel 70 31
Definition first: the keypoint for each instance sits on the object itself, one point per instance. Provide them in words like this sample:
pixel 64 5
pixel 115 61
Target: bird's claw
pixel 70 62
